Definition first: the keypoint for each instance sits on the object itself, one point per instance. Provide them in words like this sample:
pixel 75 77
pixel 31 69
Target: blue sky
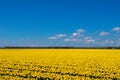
pixel 59 22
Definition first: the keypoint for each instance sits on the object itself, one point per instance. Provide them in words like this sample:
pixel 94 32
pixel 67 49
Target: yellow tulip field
pixel 59 64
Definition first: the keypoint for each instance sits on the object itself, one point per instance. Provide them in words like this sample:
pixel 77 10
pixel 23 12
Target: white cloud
pixel 57 36
pixel 76 34
pixel 105 43
pixel 89 40
pixel 80 31
pixel 109 41
pixel 54 37
pixel 71 40
pixel 74 40
pixel 61 35
pixel 116 29
pixel 104 33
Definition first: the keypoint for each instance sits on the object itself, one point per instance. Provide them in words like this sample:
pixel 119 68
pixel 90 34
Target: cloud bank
pixel 81 37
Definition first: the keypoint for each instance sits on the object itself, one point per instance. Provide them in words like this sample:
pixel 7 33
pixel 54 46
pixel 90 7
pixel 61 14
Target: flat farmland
pixel 59 64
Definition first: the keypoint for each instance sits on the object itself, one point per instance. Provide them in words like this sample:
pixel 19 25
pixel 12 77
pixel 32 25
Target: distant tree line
pixel 56 47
